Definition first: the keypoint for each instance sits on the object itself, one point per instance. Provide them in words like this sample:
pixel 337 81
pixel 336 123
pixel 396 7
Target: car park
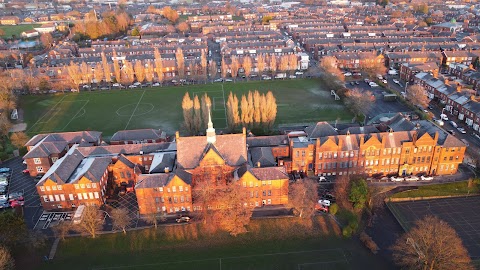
pixel 426 178
pixel 396 179
pixel 412 178
pixel 324 202
pixel 3 192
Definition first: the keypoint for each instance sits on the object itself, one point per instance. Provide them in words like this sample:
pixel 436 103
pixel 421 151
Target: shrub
pixel 333 209
pixel 369 243
pixel 347 232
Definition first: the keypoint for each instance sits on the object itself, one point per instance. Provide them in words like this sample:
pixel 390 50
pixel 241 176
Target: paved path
pixel 54 248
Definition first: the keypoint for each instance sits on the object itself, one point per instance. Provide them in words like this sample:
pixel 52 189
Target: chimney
pixel 435 73
pixel 258 164
pixel 167 170
pixel 177 135
pixel 459 88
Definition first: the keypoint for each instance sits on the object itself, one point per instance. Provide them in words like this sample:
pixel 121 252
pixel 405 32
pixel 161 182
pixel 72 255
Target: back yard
pixel 299 101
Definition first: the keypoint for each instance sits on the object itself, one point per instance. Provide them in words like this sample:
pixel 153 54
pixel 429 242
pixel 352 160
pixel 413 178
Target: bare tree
pixel 85 72
pixel 271 110
pixel 257 110
pixel 170 14
pixel 155 218
pixel 116 70
pixel 92 221
pixel 303 197
pixel 46 39
pixel 284 63
pixel 159 66
pixel 213 69
pixel 224 68
pixel 341 188
pixel 247 66
pixel 292 63
pixel 139 71
pixel 149 72
pixel 61 229
pixel 431 244
pixel 234 66
pixel 197 117
pixel 207 185
pixel 244 111
pixel 121 219
pixel 235 213
pixel 180 63
pixel 233 117
pixel 418 95
pixel 250 108
pixel 74 74
pixel 203 65
pixel 188 114
pixel 106 68
pixel 260 64
pixel 98 73
pixel 372 65
pixel 6 260
pixel 128 74
pixel 273 64
pixel 329 65
pixel 358 102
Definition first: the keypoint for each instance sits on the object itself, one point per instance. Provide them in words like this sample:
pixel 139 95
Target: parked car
pixel 462 130
pixel 324 202
pixel 267 78
pixel 137 83
pixel 132 86
pixel 183 219
pixel 396 81
pixel 321 208
pixel 412 178
pixel 218 80
pixel 385 81
pixel 156 84
pixel 396 179
pixel 5 170
pixel 228 80
pixel 357 83
pixel 347 74
pixel 3 192
pixel 451 131
pixel 4 204
pixel 322 179
pixel 426 178
pixel 444 117
pixel 329 197
pixel 3 181
pixel 26 171
pixel 299 73
pixel 292 77
pixel 373 84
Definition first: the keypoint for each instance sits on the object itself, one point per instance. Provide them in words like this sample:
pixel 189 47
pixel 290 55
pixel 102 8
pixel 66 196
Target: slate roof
pixel 161 161
pixel 262 155
pixel 46 149
pixel 321 129
pixel 126 161
pixel 61 170
pixel 138 135
pixel 127 149
pixel 153 180
pixel 91 168
pixel 69 137
pixel 267 141
pixel 232 147
pixel 400 123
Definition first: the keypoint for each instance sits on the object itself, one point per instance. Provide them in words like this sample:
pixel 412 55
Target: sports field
pixel 16 29
pixel 298 101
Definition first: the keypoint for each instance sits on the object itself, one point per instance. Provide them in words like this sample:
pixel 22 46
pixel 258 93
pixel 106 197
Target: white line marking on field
pixel 223 92
pixel 81 108
pixel 38 121
pixel 133 113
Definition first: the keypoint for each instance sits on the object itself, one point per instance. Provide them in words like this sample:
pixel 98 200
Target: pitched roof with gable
pixel 127 149
pixel 262 155
pixel 45 149
pixel 232 147
pixel 61 170
pixel 138 135
pixel 400 123
pixel 162 161
pixel 153 180
pixel 69 137
pixel 321 129
pixel 126 161
pixel 92 168
pixel 267 141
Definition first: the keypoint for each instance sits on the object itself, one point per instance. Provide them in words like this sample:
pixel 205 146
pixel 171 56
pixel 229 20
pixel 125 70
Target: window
pixel 94 185
pixel 269 193
pixel 264 193
pixel 174 189
pixel 59 187
pixel 70 196
pixel 62 197
pixel 76 186
pixel 180 188
pixel 269 182
pixel 47 188
pixel 39 169
pixel 50 197
pixel 186 188
pixel 162 199
pixel 160 189
pixel 85 196
pixel 157 200
pixel 80 197
pixel 37 161
pixel 168 189
pixel 45 198
pixel 251 184
pixel 42 188
pixel 175 200
pixel 54 187
pixel 82 185
pixel 89 186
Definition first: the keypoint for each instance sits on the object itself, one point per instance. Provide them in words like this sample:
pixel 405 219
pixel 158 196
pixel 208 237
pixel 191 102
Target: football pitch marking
pixel 219 260
pixel 40 119
pixel 75 116
pixel 133 113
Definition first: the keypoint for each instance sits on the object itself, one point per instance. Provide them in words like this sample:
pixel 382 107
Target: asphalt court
pixel 461 213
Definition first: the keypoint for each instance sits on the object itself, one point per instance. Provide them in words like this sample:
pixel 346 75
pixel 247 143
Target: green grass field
pixel 16 29
pixel 271 244
pixel 447 189
pixel 298 101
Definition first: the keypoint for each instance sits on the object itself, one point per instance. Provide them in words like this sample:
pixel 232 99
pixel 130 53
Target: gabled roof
pixel 61 170
pixel 262 156
pixel 138 135
pixel 321 129
pixel 232 147
pixel 162 161
pixel 153 180
pixel 126 161
pixel 91 168
pixel 69 137
pixel 46 149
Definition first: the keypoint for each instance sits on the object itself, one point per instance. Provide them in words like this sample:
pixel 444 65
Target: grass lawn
pixel 16 29
pixel 274 244
pixel 457 188
pixel 298 101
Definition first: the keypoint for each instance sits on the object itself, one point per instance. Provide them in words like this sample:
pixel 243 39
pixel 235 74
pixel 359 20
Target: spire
pixel 211 138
